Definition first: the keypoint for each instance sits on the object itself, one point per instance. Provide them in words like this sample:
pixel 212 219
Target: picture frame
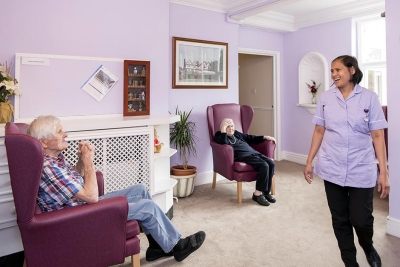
pixel 198 64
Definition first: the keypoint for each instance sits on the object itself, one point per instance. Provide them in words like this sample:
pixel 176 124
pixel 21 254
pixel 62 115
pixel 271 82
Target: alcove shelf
pixel 310 107
pixel 313 66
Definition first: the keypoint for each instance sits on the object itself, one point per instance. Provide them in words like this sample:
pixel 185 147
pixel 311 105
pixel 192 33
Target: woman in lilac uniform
pixel 349 123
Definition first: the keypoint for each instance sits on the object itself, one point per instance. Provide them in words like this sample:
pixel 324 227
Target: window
pixel 371 39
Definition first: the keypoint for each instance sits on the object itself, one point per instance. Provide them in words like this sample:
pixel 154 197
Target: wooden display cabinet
pixel 136 88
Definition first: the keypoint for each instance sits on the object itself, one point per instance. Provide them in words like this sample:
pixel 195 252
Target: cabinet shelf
pixel 136 75
pixel 165 153
pixel 164 185
pixel 136 88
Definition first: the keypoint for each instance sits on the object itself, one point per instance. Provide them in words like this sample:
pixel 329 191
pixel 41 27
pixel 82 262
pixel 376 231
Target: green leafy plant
pixel 183 136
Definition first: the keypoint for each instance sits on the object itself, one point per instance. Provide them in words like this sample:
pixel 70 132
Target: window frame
pixel 364 66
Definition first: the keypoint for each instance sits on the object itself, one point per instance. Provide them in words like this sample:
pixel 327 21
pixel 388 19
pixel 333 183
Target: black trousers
pixel 351 207
pixel 265 168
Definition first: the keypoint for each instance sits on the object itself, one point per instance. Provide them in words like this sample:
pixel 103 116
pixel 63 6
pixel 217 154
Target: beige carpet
pixel 294 232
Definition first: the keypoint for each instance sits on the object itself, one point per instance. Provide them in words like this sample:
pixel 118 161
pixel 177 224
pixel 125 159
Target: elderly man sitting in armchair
pixel 63 186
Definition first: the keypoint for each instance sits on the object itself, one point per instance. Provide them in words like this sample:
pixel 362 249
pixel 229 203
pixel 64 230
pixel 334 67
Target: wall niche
pixel 313 66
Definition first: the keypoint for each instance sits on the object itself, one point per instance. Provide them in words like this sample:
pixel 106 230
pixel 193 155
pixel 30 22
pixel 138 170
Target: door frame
pixel 276 84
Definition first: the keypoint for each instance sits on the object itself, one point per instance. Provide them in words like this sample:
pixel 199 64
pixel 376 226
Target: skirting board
pixel 297 158
pixel 206 178
pixel 393 226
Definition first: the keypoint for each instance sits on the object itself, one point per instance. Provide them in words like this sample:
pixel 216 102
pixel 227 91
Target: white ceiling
pixel 288 15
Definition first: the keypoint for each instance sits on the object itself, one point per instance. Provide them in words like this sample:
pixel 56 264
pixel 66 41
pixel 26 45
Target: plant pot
pixel 185 185
pixel 6 112
pixel 178 170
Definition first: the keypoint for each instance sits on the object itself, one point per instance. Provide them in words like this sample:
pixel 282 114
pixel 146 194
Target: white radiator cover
pixel 122 155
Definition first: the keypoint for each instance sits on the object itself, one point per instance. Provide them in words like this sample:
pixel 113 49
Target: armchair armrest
pixel 100 183
pixel 266 148
pixel 223 159
pixel 99 228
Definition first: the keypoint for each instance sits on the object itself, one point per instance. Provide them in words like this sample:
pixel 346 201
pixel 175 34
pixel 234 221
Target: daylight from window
pixel 372 55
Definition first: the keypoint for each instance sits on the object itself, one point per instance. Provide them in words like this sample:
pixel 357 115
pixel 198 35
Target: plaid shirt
pixel 59 183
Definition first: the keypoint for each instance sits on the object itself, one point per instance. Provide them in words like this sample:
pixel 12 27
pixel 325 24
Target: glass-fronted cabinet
pixel 136 88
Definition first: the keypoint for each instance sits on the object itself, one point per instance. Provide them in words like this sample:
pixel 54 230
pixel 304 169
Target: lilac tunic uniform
pixel 346 156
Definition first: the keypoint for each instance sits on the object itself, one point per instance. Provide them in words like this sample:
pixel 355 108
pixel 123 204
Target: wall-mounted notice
pixel 35 61
pixel 100 83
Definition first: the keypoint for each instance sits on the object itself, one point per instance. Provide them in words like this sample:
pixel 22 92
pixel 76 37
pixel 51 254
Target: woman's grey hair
pixel 44 127
pixel 222 122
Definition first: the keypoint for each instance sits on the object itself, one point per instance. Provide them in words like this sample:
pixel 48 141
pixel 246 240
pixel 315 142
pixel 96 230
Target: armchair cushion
pixel 243 167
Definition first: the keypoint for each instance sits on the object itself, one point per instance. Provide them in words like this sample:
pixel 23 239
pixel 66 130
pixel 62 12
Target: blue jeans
pixel 153 221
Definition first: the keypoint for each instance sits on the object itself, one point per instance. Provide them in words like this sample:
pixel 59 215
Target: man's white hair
pixel 44 127
pixel 226 119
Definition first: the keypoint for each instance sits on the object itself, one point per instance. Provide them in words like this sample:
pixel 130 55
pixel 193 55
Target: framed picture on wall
pixel 198 64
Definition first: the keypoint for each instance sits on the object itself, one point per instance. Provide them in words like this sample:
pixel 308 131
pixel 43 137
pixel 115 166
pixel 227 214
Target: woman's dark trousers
pixel 351 207
pixel 265 168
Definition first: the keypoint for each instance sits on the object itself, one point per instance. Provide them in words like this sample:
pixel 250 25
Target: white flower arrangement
pixel 8 84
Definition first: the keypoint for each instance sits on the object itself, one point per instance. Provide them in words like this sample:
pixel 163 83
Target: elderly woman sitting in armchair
pixel 243 152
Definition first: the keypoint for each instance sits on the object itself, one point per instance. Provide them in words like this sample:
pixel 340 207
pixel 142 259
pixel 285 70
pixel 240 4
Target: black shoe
pixel 261 200
pixel 373 259
pixel 153 254
pixel 269 197
pixel 195 241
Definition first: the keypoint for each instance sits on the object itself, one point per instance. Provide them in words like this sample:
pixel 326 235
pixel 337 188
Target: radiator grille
pixel 123 160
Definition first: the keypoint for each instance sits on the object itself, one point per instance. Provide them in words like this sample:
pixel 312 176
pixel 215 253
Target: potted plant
pixel 183 138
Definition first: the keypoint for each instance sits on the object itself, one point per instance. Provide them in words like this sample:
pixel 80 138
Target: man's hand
pixel 86 156
pixel 86 152
pixel 85 166
pixel 270 138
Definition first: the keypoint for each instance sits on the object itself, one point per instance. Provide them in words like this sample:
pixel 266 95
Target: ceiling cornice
pixel 350 10
pixel 256 14
pixel 283 23
pixel 213 6
pixel 271 20
pixel 259 8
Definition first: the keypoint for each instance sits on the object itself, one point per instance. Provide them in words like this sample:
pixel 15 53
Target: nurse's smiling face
pixel 341 75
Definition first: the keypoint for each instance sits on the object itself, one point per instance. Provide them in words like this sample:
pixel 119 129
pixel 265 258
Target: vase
pixel 314 100
pixel 6 112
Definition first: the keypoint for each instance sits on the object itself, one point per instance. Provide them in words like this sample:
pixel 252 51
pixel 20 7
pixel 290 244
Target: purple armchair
pixel 223 159
pixel 93 235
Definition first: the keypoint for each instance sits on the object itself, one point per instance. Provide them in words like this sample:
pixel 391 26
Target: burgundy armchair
pixel 223 159
pixel 91 235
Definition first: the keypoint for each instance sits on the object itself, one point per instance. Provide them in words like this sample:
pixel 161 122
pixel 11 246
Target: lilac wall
pixel 393 67
pixel 115 29
pixel 260 39
pixel 329 39
pixel 195 23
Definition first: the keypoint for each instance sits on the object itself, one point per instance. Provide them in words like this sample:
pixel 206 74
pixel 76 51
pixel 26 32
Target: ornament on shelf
pixel 157 145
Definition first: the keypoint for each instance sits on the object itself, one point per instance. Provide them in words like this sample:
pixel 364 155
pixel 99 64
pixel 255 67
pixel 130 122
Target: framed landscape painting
pixel 198 64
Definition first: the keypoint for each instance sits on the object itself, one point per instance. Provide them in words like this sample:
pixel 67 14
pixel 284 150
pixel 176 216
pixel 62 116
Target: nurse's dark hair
pixel 350 61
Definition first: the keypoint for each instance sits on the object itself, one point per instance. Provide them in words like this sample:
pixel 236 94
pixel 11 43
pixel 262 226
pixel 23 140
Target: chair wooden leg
pixel 24 263
pixel 135 259
pixel 239 192
pixel 214 180
pixel 273 185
